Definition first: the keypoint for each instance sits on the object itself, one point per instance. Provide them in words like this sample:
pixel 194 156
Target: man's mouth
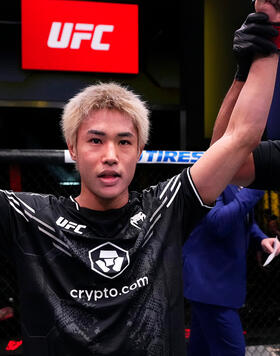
pixel 110 174
pixel 109 177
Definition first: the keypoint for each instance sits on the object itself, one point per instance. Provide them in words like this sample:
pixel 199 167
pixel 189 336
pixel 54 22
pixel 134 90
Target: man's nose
pixel 110 156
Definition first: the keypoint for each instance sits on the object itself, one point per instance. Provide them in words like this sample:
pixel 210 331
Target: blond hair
pixel 105 96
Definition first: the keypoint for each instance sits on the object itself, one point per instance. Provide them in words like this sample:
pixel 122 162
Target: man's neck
pixel 96 203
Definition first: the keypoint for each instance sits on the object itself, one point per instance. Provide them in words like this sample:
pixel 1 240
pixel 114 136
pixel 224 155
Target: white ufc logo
pixel 69 225
pixel 83 32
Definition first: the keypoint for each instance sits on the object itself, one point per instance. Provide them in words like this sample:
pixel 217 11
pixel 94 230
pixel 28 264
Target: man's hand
pixel 276 4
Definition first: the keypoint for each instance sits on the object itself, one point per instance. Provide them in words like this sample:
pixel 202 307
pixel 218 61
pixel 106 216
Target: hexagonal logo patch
pixel 109 260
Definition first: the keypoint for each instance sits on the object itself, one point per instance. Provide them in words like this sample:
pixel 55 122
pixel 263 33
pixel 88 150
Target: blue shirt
pixel 214 256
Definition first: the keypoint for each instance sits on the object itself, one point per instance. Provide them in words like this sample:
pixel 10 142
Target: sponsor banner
pixel 79 36
pixel 179 157
pixel 67 157
pixel 175 157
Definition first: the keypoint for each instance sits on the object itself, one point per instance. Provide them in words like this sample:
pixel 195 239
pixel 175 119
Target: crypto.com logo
pixel 84 36
pixel 83 32
pixel 109 260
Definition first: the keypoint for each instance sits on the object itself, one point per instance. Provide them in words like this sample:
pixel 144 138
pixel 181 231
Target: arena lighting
pixel 69 183
pixel 13 345
pixel 187 333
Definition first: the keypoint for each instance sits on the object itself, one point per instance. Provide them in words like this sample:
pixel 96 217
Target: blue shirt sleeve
pixel 256 232
pixel 224 215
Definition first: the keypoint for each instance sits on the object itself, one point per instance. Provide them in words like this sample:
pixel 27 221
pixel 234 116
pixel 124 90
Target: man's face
pixel 106 153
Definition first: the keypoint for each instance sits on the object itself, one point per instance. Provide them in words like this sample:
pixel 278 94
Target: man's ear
pixel 140 150
pixel 72 151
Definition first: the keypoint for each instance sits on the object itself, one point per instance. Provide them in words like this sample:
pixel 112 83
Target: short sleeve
pixel 195 209
pixel 179 198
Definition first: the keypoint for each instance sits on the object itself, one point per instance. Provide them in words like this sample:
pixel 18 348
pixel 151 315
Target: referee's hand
pixel 268 245
pixel 252 38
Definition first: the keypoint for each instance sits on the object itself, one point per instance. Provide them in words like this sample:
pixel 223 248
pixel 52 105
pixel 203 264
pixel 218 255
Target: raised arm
pixel 216 168
pixel 226 109
pixel 252 38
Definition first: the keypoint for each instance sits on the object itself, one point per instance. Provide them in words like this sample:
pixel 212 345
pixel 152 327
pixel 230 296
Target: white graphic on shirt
pixel 109 260
pixel 134 220
pixel 70 225
pixel 27 212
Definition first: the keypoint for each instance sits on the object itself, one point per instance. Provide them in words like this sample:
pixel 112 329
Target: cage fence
pixel 51 172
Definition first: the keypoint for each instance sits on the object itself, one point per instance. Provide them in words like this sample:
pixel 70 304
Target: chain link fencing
pixel 45 171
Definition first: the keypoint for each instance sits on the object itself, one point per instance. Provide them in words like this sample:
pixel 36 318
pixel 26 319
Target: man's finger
pixel 265 30
pixel 257 17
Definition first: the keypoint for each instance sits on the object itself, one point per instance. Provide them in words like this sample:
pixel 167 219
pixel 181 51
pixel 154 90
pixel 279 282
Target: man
pixel 214 272
pixel 102 271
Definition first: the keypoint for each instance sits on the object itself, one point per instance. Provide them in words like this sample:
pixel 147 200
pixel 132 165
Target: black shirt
pixel 267 166
pixel 101 283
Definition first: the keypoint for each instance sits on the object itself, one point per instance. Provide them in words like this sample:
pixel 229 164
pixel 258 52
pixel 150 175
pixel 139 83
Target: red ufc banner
pixel 79 36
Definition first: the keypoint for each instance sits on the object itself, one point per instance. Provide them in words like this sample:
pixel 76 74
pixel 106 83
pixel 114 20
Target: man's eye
pixel 125 142
pixel 95 140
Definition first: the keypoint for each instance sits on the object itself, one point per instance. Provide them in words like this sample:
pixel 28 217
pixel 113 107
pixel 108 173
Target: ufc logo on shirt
pixel 74 35
pixel 83 32
pixel 69 225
